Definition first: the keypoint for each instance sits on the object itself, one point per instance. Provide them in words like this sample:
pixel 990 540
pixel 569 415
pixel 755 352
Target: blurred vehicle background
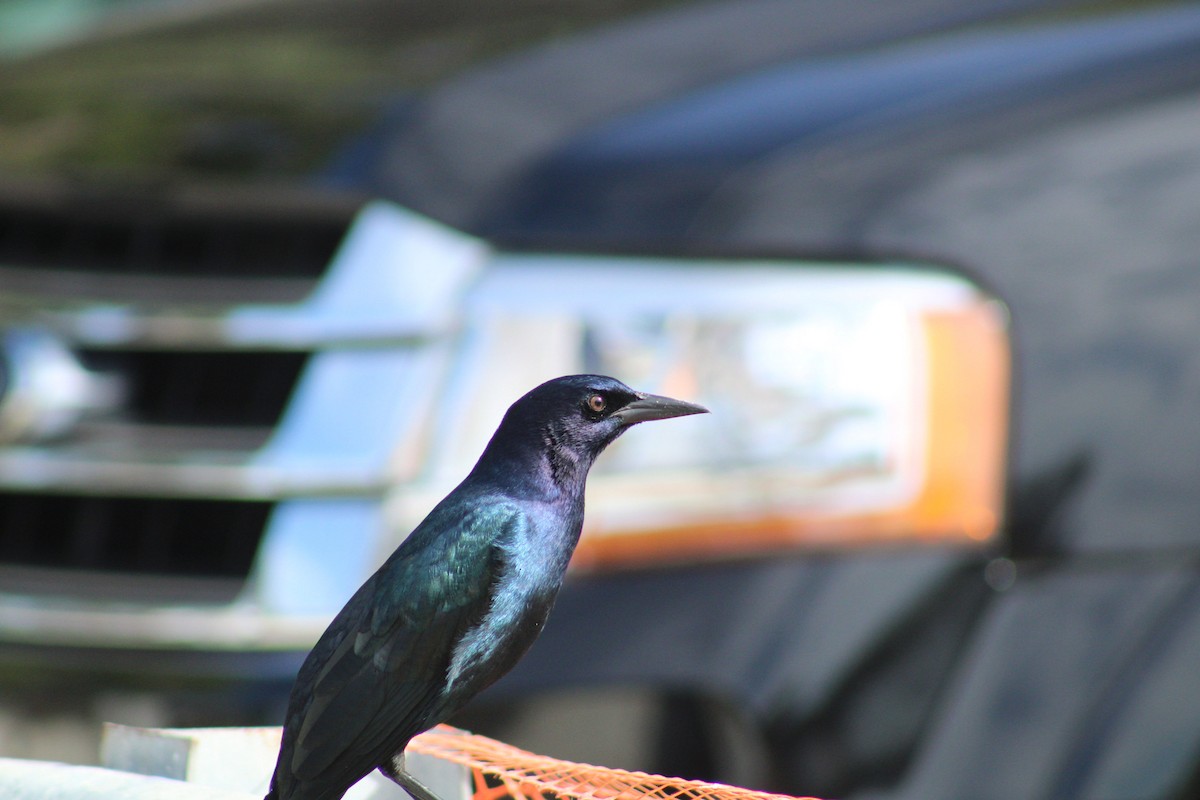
pixel 261 264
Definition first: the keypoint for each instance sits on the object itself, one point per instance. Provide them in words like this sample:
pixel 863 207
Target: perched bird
pixel 462 598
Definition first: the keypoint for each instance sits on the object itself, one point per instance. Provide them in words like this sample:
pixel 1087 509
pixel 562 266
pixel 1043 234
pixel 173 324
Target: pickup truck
pixel 269 271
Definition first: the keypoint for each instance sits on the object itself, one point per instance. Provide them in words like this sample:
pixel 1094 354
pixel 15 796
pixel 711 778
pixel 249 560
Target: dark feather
pixel 381 680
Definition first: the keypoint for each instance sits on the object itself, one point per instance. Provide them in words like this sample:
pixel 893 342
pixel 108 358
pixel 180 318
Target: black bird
pixel 462 598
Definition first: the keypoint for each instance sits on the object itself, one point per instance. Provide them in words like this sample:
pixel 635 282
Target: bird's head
pixel 570 420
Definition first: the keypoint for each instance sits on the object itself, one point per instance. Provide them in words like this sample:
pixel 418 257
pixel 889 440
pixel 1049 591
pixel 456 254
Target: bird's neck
pixel 537 468
pixel 564 467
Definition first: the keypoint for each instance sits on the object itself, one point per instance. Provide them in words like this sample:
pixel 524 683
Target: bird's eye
pixel 596 403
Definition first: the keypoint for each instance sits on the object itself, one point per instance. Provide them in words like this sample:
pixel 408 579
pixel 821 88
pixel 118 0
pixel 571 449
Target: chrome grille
pixel 189 402
pixel 257 413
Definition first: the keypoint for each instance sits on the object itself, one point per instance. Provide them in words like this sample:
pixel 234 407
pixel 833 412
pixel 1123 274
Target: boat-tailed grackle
pixel 462 598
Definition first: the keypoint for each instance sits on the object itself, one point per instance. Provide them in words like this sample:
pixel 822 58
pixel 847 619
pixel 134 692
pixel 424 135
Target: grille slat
pixel 225 388
pixel 18 526
pixel 91 526
pixel 155 536
pixel 151 536
pixel 86 238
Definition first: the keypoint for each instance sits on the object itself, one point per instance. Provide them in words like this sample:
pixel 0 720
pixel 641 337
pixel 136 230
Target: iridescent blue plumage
pixel 462 598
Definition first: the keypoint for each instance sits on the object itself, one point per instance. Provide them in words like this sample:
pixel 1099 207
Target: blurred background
pixel 271 271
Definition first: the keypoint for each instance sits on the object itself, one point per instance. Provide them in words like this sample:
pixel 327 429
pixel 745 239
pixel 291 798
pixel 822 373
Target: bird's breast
pixel 530 575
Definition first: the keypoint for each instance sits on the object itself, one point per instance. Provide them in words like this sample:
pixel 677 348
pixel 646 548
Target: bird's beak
pixel 652 406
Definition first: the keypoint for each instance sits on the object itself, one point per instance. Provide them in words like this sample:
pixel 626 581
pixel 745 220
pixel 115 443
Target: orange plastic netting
pixel 500 771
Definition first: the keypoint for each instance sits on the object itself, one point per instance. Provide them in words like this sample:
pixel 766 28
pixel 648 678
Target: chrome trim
pixel 395 281
pixel 28 469
pixel 44 390
pixel 26 620
pixel 36 292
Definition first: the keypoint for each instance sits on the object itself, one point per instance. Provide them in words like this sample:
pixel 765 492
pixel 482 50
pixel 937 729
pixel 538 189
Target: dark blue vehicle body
pixel 1051 154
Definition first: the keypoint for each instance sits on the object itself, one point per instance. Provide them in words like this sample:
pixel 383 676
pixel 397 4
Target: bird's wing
pixel 389 649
